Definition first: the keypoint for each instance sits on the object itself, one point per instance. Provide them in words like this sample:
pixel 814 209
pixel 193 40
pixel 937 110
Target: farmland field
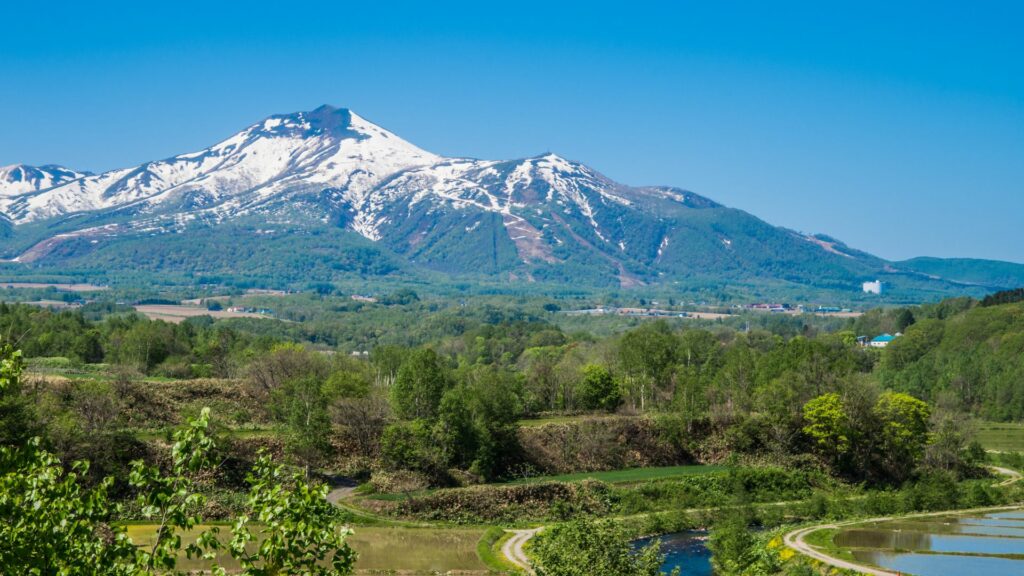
pixel 426 550
pixel 176 313
pixel 65 287
pixel 1001 436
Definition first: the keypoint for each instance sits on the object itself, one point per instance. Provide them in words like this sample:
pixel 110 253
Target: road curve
pixel 795 539
pixel 1013 476
pixel 513 548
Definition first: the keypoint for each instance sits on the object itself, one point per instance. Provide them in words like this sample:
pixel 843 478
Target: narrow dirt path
pixel 1013 475
pixel 513 548
pixel 341 488
pixel 795 540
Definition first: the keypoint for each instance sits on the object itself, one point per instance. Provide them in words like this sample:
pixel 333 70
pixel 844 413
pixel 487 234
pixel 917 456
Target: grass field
pixel 628 475
pixel 63 287
pixel 532 422
pixel 380 549
pixel 175 313
pixel 1001 437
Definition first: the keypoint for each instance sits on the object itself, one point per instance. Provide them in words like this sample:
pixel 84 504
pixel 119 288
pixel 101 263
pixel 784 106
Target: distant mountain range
pixel 326 193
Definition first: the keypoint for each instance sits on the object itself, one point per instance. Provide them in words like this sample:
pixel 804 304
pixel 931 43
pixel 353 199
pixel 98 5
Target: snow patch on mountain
pixel 327 147
pixel 21 178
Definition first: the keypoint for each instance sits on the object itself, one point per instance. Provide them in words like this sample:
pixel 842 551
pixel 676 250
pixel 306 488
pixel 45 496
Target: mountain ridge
pixel 540 218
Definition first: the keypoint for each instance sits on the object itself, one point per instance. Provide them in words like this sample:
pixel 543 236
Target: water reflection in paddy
pixel 940 564
pixel 937 546
pixel 951 528
pixel 918 542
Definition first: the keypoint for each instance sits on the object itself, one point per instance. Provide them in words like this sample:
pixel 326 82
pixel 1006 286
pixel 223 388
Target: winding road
pixel 1013 476
pixel 795 539
pixel 513 548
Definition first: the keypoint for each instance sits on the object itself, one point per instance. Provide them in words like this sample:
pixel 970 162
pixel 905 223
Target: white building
pixel 872 287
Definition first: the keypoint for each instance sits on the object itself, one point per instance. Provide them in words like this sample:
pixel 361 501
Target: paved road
pixel 513 548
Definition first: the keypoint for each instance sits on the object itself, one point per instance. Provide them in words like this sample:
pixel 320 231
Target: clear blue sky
pixel 895 126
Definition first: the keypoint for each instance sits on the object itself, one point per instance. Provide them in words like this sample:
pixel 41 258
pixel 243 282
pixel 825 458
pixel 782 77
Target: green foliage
pixel 647 355
pixel 903 431
pixel 732 546
pixel 408 445
pixel 598 389
pixel 828 425
pixel 171 500
pixel 973 355
pixel 1003 297
pixel 419 385
pixel 583 548
pixel 297 533
pixel 17 418
pixel 50 524
pixel 886 441
pixel 301 404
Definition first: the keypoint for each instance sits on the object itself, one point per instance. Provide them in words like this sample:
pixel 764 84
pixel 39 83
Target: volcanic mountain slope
pixel 22 178
pixel 331 186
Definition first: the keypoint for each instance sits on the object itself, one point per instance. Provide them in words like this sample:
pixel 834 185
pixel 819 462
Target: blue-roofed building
pixel 881 341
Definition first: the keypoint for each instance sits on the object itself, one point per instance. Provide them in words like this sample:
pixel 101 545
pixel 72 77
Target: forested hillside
pixel 975 357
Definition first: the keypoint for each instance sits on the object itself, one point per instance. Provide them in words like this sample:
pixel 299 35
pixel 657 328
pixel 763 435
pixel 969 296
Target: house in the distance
pixel 881 341
pixel 872 287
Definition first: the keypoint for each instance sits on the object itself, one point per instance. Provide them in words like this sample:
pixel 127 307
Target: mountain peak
pixel 22 178
pixel 324 120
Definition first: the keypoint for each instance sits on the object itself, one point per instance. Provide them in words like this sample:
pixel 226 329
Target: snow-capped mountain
pixel 323 148
pixel 365 169
pixel 328 190
pixel 21 178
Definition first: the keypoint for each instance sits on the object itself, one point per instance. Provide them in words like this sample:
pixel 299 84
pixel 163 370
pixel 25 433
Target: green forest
pixel 478 417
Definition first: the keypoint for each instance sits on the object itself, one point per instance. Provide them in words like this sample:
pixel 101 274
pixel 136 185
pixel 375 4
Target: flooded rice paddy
pixel 981 543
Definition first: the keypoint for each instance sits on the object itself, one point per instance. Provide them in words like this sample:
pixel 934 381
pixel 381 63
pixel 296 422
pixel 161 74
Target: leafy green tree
pixel 88 346
pixel 297 532
pixel 50 524
pixel 732 546
pixel 540 367
pixel 905 319
pixel 455 431
pixel 737 551
pixel 171 500
pixel 828 426
pixel 410 445
pixel 951 432
pixel 585 548
pixel 904 432
pixel 17 418
pixel 647 355
pixel 597 389
pixel 302 405
pixel 386 361
pixel 419 386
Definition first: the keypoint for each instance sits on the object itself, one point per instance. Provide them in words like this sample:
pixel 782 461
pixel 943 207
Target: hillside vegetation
pixel 973 356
